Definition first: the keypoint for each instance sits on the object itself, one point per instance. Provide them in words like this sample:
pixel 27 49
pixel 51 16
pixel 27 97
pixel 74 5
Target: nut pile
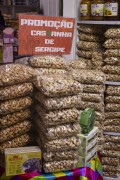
pixel 57 119
pixel 15 99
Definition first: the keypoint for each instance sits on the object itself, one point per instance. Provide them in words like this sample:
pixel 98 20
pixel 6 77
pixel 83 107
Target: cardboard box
pixel 23 160
pixel 86 139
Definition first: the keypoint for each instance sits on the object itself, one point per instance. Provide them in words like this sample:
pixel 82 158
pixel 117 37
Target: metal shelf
pixel 111 133
pixel 112 83
pixel 17 6
pixel 100 22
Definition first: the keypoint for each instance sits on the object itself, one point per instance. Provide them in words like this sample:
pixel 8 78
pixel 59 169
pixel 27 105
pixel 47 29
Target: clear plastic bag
pixel 86 61
pixel 110 160
pixel 89 76
pixel 20 141
pixel 55 62
pixel 112 129
pixel 77 64
pixel 92 97
pixel 14 105
pixel 112 146
pixel 110 153
pixel 109 168
pixel 112 115
pixel 112 33
pixel 87 45
pixel 10 119
pixel 100 116
pixel 97 60
pixel 112 52
pixel 56 86
pixel 112 107
pixel 58 156
pixel 23 60
pixel 58 102
pixel 112 122
pixel 15 130
pixel 57 117
pixel 90 29
pixel 110 174
pixel 84 54
pixel 110 69
pixel 48 71
pixel 114 139
pixel 113 90
pixel 11 92
pixel 90 37
pixel 112 43
pixel 91 88
pixel 60 166
pixel 112 60
pixel 112 77
pixel 113 99
pixel 12 74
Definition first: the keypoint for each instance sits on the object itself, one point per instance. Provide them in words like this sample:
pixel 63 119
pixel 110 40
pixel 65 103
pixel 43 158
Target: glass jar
pixel 85 8
pixel 97 10
pixel 111 12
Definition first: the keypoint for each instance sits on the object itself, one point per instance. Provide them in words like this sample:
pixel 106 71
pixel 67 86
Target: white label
pixel 111 9
pixel 97 9
pixel 83 9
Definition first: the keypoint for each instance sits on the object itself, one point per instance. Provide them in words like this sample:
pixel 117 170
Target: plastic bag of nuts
pixel 47 71
pixel 110 160
pixel 97 60
pixel 100 116
pixel 114 139
pixel 89 76
pixel 112 33
pixel 84 54
pixel 109 168
pixel 56 86
pixel 61 144
pixel 110 174
pixel 91 88
pixel 112 129
pixel 112 43
pixel 112 77
pixel 86 61
pixel 112 107
pixel 55 62
pixel 113 99
pixel 14 105
pixel 110 153
pixel 110 122
pixel 110 69
pixel 85 45
pixel 112 115
pixel 58 102
pixel 112 60
pixel 19 90
pixel 90 29
pixel 89 37
pixel 15 130
pixel 11 74
pixel 112 52
pixel 10 119
pixel 57 117
pixel 77 64
pixel 20 141
pixel 60 166
pixel 113 90
pixel 58 156
pixel 112 146
pixel 92 97
pixel 23 60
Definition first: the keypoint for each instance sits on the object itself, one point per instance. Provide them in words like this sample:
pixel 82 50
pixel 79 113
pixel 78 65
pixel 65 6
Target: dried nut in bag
pixel 112 33
pixel 77 64
pixel 20 141
pixel 58 156
pixel 110 153
pixel 62 144
pixel 112 43
pixel 97 60
pixel 57 117
pixel 54 62
pixel 112 107
pixel 47 71
pixel 86 45
pixel 113 99
pixel 90 29
pixel 110 160
pixel 112 129
pixel 12 74
pixel 109 168
pixel 112 122
pixel 91 88
pixel 58 103
pixel 112 77
pixel 10 119
pixel 112 52
pixel 110 174
pixel 60 166
pixel 85 104
pixel 84 54
pixel 112 115
pixel 56 86
pixel 92 97
pixel 14 105
pixel 89 76
pixel 99 124
pixel 113 90
pixel 112 146
pixel 114 139
pixel 86 61
pixel 110 69
pixel 14 91
pixel 15 130
pixel 100 116
pixel 89 37
pixel 112 60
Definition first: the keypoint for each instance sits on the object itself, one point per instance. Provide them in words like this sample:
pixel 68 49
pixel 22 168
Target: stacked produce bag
pixel 111 151
pixel 57 119
pixel 93 95
pixel 90 44
pixel 112 54
pixel 15 100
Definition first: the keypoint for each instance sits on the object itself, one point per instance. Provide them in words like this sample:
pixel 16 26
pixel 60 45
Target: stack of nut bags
pixel 93 83
pixel 15 100
pixel 112 54
pixel 111 153
pixel 57 119
pixel 90 45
